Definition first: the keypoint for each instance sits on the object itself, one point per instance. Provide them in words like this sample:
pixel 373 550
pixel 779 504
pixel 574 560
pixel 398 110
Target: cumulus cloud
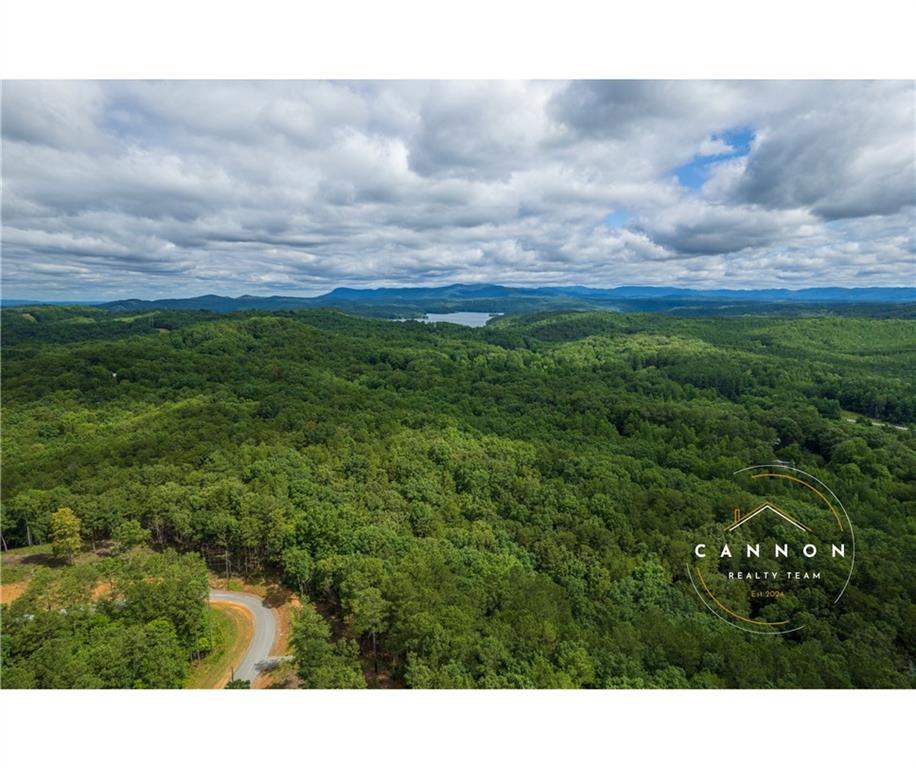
pixel 851 156
pixel 115 189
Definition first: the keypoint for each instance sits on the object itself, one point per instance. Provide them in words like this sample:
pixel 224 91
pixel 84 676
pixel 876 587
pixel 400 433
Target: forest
pixel 498 507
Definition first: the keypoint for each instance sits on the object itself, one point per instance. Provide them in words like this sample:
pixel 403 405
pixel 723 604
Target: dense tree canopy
pixel 506 506
pixel 114 623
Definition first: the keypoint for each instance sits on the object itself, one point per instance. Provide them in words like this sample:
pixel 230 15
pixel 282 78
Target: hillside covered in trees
pixel 117 623
pixel 507 506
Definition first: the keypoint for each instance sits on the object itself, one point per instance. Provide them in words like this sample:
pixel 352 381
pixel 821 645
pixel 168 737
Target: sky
pixel 119 189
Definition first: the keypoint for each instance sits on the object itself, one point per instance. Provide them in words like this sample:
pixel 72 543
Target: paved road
pixel 265 631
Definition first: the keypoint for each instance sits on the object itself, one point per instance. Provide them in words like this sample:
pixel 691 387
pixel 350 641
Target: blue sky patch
pixel 695 173
pixel 618 218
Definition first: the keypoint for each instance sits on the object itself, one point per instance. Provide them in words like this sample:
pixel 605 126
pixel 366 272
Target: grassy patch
pixel 10 574
pixel 20 564
pixel 230 636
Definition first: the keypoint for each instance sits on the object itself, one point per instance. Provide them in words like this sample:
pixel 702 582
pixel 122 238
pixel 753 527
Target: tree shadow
pixel 276 596
pixel 45 559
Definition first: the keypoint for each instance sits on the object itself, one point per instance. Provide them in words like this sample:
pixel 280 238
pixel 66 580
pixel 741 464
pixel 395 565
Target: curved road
pixel 265 632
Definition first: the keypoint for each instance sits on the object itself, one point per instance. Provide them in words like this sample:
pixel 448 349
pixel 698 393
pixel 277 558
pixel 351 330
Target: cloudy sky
pixel 152 189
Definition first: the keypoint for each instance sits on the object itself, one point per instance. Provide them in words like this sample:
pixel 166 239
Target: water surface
pixel 470 319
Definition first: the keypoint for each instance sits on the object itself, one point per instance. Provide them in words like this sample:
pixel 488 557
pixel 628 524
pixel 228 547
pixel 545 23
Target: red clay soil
pixel 9 592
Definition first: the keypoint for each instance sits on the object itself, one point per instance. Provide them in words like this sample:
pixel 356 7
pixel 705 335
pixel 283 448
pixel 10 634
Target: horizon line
pixel 528 286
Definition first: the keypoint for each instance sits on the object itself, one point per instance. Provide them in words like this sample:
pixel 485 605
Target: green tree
pixel 297 562
pixel 320 662
pixel 65 533
pixel 369 615
pixel 130 534
pixel 161 661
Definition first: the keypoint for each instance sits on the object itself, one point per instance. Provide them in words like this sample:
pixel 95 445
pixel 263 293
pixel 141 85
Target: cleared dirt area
pixel 281 644
pixel 9 592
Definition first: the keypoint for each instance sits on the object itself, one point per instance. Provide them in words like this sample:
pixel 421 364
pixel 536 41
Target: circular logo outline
pixel 852 535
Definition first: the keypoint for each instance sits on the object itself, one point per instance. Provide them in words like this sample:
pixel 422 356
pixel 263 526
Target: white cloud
pixel 121 188
pixel 710 147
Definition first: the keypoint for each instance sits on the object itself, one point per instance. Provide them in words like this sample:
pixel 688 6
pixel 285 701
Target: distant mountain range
pixel 500 298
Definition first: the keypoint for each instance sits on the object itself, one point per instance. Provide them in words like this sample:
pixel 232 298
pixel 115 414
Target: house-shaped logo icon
pixel 741 519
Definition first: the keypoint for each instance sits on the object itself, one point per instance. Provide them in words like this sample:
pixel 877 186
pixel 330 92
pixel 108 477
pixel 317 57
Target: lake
pixel 470 319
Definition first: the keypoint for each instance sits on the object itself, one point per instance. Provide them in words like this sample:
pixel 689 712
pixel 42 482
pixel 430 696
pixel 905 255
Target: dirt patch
pixel 283 677
pixel 282 612
pixel 9 592
pixel 101 589
pixel 273 593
